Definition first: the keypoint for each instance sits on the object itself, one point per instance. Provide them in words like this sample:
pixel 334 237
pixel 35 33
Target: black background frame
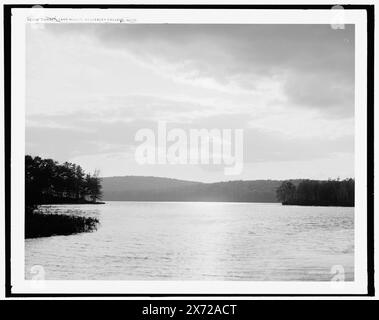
pixel 370 142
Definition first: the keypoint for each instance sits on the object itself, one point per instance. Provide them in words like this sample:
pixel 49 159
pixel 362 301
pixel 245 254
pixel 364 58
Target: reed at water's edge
pixel 39 224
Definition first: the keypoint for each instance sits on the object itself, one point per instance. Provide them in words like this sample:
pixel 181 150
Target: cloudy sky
pixel 90 87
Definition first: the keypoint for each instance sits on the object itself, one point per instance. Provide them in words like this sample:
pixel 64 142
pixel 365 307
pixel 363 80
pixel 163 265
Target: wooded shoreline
pixel 338 193
pixel 49 183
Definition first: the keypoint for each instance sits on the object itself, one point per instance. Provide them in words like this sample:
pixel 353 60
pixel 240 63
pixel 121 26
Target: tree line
pixel 47 182
pixel 319 193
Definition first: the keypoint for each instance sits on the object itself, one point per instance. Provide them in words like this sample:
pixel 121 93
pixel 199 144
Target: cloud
pixel 88 133
pixel 291 88
pixel 311 65
pixel 271 146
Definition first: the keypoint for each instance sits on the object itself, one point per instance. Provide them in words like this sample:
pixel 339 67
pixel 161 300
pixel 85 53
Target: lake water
pixel 200 241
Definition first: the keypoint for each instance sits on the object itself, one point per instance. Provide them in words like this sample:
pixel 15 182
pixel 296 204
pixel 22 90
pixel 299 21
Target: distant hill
pixel 135 188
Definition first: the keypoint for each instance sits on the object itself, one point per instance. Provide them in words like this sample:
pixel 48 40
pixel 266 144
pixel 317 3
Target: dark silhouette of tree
pixel 47 181
pixel 286 192
pixel 93 186
pixel 314 192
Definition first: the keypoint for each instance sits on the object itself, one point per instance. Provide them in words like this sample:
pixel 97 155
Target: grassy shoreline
pixel 39 224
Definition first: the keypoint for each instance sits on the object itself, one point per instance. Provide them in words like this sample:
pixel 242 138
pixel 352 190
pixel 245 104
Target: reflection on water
pixel 200 241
